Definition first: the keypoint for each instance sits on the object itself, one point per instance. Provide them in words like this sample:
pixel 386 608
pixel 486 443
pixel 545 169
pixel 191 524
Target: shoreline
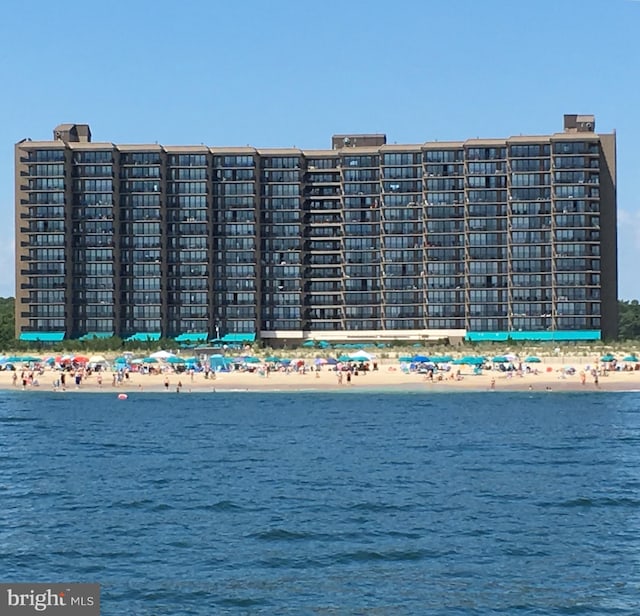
pixel 383 381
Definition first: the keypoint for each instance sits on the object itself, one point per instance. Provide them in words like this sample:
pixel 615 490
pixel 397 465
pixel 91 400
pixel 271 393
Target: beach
pixel 569 374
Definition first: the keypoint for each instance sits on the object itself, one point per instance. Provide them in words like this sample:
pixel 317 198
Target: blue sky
pixel 289 73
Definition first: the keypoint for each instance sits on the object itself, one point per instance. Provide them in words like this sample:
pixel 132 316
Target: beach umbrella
pixel 500 359
pixel 175 360
pixel 309 343
pixel 362 356
pixel 30 358
pixel 630 358
pixel 405 358
pixel 13 359
pixel 272 359
pixel 608 357
pixel 344 358
pixel 252 360
pixel 532 359
pixel 323 344
pixel 120 360
pixel 444 359
pixel 149 360
pixel 473 360
pixel 419 359
pixel 331 361
pixel 320 361
pixel 80 359
pixel 162 355
pixel 97 359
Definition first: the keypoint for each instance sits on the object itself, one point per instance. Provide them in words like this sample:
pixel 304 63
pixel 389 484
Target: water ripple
pixel 300 503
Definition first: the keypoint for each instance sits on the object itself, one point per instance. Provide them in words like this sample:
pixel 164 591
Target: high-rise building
pixel 484 239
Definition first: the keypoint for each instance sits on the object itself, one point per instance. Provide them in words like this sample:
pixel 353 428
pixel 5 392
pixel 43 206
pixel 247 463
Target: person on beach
pixel 493 383
pixel 166 383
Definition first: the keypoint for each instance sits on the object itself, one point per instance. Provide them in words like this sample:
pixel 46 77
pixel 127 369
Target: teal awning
pixel 144 337
pixel 238 338
pixel 192 337
pixel 97 335
pixel 546 335
pixel 42 336
pixel 487 336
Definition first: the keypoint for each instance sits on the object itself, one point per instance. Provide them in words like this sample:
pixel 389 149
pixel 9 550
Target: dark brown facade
pixel 487 238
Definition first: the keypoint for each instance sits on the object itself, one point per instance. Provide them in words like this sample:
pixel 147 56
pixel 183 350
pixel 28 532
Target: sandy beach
pixel 548 375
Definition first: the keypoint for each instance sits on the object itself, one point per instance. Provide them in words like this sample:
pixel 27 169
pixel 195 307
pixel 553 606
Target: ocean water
pixel 326 503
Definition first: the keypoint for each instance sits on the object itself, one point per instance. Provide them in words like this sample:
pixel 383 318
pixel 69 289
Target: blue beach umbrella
pixel 419 359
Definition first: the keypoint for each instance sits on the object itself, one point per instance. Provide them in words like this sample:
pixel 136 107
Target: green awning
pixel 42 336
pixel 144 337
pixel 192 337
pixel 96 335
pixel 545 335
pixel 238 338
